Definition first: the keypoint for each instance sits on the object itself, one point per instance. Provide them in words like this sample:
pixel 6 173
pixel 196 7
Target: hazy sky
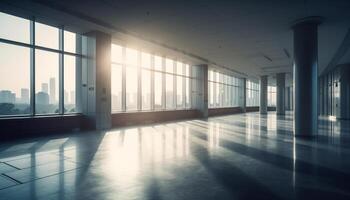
pixel 15 60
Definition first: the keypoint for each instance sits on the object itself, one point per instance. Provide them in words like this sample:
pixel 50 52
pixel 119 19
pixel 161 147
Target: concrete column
pixel 263 94
pixel 200 89
pixel 97 96
pixel 305 76
pixel 280 103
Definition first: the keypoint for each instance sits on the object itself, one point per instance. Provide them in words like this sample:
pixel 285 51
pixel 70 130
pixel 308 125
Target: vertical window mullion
pixel 190 86
pixel 61 72
pixel 175 84
pixel 183 78
pixel 139 89
pixel 163 84
pixel 123 79
pixel 78 74
pixel 32 67
pixel 152 81
pixel 214 89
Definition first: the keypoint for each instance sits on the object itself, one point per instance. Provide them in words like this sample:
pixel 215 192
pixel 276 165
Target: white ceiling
pixel 249 36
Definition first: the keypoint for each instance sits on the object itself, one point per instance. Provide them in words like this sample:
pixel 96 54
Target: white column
pixel 97 108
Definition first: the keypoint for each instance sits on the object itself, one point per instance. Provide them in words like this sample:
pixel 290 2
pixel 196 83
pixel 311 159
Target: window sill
pixel 39 116
pixel 150 111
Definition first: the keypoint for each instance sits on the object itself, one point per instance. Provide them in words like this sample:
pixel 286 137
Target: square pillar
pixel 263 95
pixel 200 89
pixel 97 81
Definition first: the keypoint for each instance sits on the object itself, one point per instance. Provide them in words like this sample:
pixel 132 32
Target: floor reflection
pixel 244 156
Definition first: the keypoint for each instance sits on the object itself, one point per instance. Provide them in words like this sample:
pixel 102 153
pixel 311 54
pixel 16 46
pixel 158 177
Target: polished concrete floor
pixel 243 156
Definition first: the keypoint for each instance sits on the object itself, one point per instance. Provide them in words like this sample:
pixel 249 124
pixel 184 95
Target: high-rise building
pixel 42 98
pixel 45 88
pixel 24 95
pixel 6 96
pixel 52 90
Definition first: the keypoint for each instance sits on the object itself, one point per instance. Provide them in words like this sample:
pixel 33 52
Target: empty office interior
pixel 174 99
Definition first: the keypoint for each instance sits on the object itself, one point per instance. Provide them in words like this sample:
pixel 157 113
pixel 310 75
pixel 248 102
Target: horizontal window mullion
pixel 39 47
pixel 16 43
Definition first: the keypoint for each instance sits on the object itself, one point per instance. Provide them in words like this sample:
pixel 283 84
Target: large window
pixel 46 82
pixel 146 81
pixel 271 97
pixel 15 80
pixel 169 84
pixel 224 90
pixel 38 75
pixel 10 24
pixel 151 82
pixel 70 83
pixel 252 93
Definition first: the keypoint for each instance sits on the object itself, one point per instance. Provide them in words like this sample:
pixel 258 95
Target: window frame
pixel 61 52
pixel 158 68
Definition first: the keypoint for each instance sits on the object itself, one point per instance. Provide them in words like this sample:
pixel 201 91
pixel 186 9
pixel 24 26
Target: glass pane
pixel 14 28
pixel 229 80
pixel 158 90
pixel 158 63
pixel 179 68
pixel 15 80
pixel 169 89
pixel 117 53
pixel 217 95
pixel 146 60
pixel 211 94
pixel 146 89
pixel 131 88
pixel 188 96
pixel 116 80
pixel 169 65
pixel 46 82
pixel 70 42
pixel 69 84
pixel 221 97
pixel 187 68
pixel 221 78
pixel 179 90
pixel 131 57
pixel 46 36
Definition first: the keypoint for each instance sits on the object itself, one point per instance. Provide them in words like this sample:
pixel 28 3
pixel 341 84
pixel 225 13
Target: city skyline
pixel 9 96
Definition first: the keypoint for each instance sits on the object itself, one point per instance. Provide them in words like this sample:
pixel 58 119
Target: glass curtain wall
pixel 38 68
pixel 271 97
pixel 144 82
pixel 252 93
pixel 224 90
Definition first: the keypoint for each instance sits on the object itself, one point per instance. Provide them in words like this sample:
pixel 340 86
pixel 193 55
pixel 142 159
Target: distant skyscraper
pixel 6 96
pixel 24 95
pixel 42 98
pixel 52 90
pixel 45 88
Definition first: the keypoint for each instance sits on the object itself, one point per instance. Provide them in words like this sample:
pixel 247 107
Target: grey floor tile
pixel 35 161
pixel 4 168
pixel 33 173
pixel 6 182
